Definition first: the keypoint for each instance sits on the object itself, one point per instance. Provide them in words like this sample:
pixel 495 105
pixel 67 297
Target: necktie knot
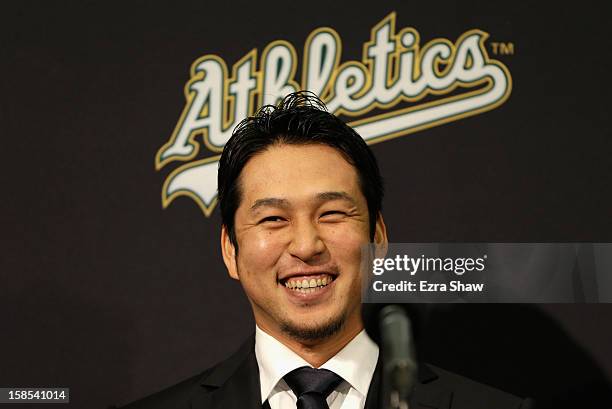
pixel 312 386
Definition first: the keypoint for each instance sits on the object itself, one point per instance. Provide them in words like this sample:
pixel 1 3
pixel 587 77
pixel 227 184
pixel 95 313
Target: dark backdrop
pixel 104 292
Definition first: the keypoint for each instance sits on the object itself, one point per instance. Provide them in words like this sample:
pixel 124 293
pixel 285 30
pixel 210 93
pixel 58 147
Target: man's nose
pixel 306 242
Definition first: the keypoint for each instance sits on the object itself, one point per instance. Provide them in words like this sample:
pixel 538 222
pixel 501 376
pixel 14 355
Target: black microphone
pixel 391 328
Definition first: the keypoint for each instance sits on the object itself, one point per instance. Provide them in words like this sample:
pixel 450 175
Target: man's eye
pixel 271 219
pixel 333 213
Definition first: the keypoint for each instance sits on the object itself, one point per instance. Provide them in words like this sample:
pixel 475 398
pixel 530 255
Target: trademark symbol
pixel 500 48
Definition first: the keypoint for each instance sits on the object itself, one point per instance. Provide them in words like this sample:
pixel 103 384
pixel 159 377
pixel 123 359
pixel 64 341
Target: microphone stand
pixel 399 369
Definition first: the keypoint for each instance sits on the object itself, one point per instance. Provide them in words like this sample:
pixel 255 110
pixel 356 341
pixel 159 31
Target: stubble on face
pixel 308 333
pixel 318 333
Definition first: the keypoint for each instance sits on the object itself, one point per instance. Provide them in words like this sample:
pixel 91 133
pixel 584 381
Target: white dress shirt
pixel 355 363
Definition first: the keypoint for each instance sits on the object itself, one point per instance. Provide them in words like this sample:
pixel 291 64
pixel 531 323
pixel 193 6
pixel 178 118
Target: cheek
pixel 259 250
pixel 345 245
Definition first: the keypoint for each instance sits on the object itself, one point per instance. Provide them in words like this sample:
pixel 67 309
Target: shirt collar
pixel 355 363
pixel 275 360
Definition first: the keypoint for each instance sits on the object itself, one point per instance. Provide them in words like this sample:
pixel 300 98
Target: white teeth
pixel 308 286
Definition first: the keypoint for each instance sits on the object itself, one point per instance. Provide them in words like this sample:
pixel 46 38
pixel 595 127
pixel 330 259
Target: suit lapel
pixel 373 398
pixel 233 384
pixel 428 394
pixel 429 391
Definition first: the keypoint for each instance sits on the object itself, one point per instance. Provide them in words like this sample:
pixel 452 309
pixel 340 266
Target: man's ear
pixel 229 254
pixel 380 237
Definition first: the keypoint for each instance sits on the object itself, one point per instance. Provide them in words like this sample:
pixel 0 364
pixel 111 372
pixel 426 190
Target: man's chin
pixel 313 333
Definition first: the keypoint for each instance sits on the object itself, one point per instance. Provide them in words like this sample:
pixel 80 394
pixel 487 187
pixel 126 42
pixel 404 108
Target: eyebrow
pixel 271 202
pixel 329 196
pixel 284 203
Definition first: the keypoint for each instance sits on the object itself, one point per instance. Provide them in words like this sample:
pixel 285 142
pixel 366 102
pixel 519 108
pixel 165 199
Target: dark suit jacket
pixel 234 384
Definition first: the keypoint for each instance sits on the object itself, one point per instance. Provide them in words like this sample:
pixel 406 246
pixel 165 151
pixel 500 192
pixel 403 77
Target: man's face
pixel 300 226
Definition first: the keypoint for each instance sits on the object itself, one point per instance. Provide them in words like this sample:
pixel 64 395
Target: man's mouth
pixel 308 284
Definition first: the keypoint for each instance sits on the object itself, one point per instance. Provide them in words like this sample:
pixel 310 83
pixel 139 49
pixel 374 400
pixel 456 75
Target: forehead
pixel 297 172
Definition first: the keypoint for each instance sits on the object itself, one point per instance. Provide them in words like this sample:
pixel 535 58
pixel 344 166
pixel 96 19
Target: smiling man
pixel 296 214
pixel 299 229
pixel 296 243
pixel 300 194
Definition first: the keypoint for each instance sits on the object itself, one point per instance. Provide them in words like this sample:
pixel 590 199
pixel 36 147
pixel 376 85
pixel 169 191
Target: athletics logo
pixel 460 79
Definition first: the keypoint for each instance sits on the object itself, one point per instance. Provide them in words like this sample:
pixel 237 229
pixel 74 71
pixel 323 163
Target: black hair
pixel 300 118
